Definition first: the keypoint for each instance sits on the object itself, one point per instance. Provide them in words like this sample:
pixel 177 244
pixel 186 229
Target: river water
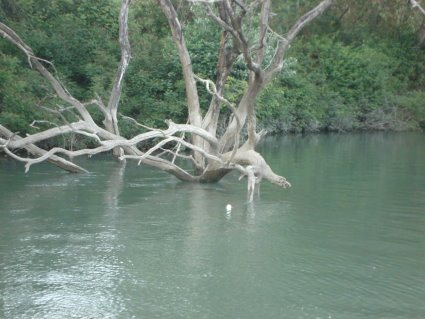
pixel 346 241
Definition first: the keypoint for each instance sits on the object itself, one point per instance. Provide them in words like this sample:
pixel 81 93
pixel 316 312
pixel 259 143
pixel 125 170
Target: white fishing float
pixel 228 208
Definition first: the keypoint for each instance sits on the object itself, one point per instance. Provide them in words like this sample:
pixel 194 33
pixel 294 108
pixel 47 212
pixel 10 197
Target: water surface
pixel 346 241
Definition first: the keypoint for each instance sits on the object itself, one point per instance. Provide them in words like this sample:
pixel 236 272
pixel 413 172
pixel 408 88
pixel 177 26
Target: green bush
pixel 339 87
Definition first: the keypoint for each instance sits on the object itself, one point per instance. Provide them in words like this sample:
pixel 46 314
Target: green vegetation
pixel 342 87
pixel 360 66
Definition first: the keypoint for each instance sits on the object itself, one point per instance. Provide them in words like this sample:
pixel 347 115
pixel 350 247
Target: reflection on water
pixel 115 185
pixel 132 242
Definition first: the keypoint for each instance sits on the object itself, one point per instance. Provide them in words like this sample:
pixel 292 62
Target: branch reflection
pixel 115 185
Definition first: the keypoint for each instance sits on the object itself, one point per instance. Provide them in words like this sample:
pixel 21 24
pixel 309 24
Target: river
pixel 346 241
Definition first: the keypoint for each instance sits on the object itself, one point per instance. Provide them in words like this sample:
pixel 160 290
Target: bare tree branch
pixel 226 59
pixel 235 28
pixel 35 150
pixel 277 62
pixel 108 144
pixel 9 34
pixel 221 22
pixel 192 97
pixel 111 121
pixel 212 89
pixel 415 4
pixel 169 139
pixel 264 23
pixel 49 133
pixel 185 60
pixel 175 128
pixel 176 154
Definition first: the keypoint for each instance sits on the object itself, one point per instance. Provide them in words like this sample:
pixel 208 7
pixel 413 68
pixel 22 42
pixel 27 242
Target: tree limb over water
pixel 212 156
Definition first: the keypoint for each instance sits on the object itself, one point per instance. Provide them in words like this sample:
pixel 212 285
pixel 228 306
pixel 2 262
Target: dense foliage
pixel 360 66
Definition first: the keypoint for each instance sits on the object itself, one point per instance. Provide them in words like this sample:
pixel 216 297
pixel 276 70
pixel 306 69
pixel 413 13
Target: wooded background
pixel 360 66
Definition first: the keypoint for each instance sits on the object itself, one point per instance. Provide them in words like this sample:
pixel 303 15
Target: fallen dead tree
pixel 212 156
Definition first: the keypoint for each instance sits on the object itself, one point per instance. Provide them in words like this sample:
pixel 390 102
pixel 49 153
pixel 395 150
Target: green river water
pixel 346 241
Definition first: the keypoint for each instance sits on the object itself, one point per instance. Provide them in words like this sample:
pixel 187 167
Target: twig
pixel 212 89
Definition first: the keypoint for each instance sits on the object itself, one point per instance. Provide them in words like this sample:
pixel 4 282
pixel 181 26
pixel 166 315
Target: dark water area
pixel 346 241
